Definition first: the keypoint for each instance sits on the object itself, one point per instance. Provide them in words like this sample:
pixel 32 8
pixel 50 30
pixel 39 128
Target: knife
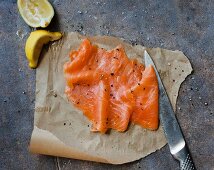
pixel 172 130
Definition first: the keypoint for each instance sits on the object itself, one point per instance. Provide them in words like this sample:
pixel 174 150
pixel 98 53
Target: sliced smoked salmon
pixel 111 89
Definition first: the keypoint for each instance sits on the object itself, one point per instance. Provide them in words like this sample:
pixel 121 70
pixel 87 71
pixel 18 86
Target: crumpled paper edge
pixel 44 142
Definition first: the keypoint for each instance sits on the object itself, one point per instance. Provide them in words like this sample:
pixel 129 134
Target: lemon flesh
pixel 36 13
pixel 35 42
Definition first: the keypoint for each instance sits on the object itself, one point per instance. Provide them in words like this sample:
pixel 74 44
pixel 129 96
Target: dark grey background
pixel 173 24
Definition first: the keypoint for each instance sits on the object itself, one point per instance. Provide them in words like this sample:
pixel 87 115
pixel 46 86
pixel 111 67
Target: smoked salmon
pixel 111 89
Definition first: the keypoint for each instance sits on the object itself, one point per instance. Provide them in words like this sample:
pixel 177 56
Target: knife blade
pixel 172 130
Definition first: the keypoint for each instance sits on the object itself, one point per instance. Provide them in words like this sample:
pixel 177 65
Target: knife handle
pixel 185 159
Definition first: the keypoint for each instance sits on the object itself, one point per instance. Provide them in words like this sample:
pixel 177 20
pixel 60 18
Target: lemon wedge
pixel 36 13
pixel 35 42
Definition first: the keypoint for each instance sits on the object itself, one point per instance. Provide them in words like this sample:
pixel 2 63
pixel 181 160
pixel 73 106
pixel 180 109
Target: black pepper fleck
pixel 111 85
pixel 138 84
pixel 112 74
pixel 64 123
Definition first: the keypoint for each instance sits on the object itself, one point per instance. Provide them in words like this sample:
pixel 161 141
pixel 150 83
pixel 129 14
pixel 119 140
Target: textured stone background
pixel 171 24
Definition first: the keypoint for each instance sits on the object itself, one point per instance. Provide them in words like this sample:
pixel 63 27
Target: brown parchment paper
pixel 62 130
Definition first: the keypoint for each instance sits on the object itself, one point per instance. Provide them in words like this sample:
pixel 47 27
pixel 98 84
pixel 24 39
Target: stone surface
pixel 172 24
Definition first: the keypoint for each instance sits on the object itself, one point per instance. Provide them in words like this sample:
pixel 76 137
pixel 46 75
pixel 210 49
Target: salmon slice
pixel 146 100
pixel 111 89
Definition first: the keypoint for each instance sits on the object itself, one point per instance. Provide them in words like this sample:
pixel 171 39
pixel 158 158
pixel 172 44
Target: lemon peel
pixel 35 42
pixel 36 13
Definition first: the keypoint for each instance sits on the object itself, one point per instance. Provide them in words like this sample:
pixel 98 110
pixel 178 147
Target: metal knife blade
pixel 172 130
